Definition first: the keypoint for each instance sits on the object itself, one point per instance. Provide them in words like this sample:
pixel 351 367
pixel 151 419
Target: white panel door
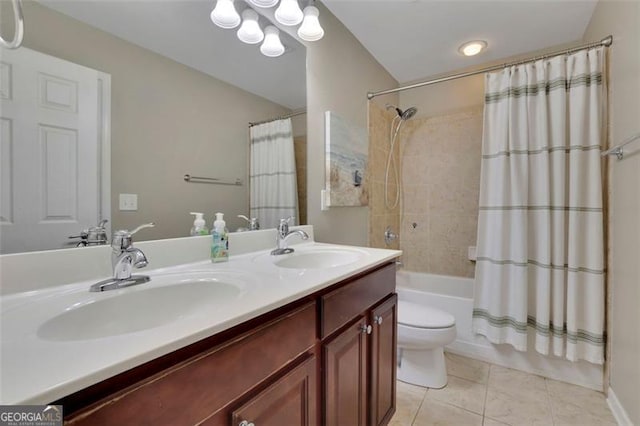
pixel 51 148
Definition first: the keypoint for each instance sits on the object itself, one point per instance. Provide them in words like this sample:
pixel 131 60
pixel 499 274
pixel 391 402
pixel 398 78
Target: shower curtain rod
pixel 282 117
pixel 606 42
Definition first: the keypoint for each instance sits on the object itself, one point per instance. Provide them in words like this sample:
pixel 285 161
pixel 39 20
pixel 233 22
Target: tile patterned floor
pixel 483 394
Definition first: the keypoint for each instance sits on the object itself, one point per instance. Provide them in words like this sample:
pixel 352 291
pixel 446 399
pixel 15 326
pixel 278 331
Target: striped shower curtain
pixel 273 187
pixel 540 254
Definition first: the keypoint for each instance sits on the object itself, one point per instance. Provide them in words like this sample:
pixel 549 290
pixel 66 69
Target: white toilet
pixel 422 334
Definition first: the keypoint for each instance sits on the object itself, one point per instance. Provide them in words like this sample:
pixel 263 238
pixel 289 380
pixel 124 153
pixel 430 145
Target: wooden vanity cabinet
pixel 209 385
pixel 327 359
pixel 359 321
pixel 384 320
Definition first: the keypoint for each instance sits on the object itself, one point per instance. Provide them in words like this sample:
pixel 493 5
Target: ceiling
pixel 182 30
pixel 414 39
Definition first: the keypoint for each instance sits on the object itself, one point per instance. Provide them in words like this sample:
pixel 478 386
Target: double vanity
pixel 302 338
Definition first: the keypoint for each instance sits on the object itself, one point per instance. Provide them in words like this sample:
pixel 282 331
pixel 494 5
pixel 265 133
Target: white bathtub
pixel 455 296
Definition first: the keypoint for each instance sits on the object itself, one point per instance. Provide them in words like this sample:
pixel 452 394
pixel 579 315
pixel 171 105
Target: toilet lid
pixel 415 315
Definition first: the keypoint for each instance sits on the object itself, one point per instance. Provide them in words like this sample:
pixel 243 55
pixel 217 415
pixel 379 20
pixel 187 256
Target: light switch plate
pixel 324 200
pixel 128 202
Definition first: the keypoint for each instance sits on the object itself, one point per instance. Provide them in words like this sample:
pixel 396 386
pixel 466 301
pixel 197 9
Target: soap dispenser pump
pixel 220 240
pixel 199 225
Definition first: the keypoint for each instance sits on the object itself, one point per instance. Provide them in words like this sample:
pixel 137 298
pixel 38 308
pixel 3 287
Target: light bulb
pixel 289 13
pixel 250 32
pixel 263 3
pixel 310 30
pixel 271 46
pixel 224 14
pixel 472 48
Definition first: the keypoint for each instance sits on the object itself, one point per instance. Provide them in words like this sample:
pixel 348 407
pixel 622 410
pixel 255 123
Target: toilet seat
pixel 418 316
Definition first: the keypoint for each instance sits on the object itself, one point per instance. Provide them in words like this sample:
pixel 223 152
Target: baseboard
pixel 617 409
pixel 519 361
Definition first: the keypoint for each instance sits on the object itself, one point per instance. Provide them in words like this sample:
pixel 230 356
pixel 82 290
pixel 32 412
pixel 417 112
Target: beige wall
pixel 622 19
pixel 166 120
pixel 444 98
pixel 441 186
pixel 339 74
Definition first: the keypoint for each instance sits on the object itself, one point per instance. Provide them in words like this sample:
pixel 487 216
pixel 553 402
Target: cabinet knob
pixel 377 320
pixel 246 423
pixel 365 328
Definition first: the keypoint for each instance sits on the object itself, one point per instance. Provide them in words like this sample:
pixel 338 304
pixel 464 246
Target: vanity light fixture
pixel 310 30
pixel 225 15
pixel 263 3
pixel 472 48
pixel 289 13
pixel 250 31
pixel 272 46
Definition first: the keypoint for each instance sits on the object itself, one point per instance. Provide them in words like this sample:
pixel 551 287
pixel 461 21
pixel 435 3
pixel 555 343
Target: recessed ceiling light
pixel 472 48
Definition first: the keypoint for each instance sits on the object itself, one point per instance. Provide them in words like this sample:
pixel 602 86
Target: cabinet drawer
pixel 192 391
pixel 289 401
pixel 346 303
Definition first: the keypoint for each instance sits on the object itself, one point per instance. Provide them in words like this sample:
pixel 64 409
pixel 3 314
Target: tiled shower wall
pixel 441 159
pixel 379 216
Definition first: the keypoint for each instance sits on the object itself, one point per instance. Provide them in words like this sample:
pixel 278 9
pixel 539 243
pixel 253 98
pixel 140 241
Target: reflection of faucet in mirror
pixel 284 234
pixel 94 236
pixel 253 223
pixel 124 257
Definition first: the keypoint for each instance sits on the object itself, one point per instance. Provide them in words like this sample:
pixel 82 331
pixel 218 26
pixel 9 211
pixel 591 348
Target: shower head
pixel 404 115
pixel 408 113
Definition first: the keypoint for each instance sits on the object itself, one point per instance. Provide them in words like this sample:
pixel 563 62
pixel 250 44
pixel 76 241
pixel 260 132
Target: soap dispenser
pixel 199 225
pixel 220 241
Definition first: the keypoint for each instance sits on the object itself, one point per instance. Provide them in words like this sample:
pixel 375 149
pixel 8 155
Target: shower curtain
pixel 273 186
pixel 540 254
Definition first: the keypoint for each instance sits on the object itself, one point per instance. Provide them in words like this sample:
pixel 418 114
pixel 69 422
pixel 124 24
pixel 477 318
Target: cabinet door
pixel 289 401
pixel 345 377
pixel 382 404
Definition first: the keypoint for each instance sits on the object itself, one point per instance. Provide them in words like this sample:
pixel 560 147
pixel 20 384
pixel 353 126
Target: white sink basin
pixel 319 258
pixel 161 301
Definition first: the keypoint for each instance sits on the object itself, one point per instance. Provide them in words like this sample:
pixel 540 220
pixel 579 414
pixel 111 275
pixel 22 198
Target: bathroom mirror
pixel 182 94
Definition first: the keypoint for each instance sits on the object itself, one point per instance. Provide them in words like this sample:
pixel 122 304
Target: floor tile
pixel 517 408
pixel 503 395
pixel 437 413
pixel 517 398
pixel 467 368
pixel 490 422
pixel 461 393
pixel 408 400
pixel 507 379
pixel 575 405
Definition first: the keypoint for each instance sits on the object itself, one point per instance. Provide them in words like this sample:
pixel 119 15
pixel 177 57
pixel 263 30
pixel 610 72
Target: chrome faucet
pixel 253 223
pixel 284 234
pixel 94 236
pixel 124 257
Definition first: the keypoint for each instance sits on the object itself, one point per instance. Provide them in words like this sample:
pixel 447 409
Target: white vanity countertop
pixel 38 369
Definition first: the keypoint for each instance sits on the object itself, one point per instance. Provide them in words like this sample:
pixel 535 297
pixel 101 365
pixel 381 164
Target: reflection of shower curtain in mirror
pixel 273 185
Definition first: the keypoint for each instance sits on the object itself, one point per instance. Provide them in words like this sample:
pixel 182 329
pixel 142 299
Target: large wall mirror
pixel 159 85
